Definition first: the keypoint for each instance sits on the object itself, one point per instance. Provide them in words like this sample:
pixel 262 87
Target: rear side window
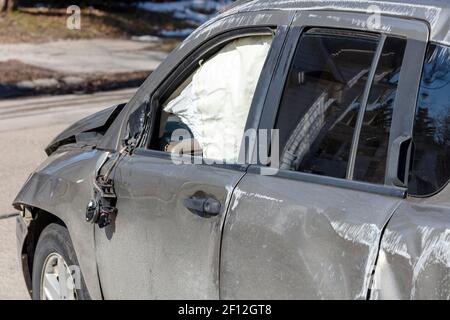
pixel 431 161
pixel 321 101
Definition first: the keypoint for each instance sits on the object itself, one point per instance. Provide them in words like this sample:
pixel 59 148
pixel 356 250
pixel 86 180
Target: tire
pixel 54 243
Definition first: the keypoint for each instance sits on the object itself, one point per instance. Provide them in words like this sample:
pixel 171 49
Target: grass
pixel 39 25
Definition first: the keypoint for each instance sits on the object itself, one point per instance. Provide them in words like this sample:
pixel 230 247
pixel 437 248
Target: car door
pixel 310 226
pixel 164 242
pixel 414 261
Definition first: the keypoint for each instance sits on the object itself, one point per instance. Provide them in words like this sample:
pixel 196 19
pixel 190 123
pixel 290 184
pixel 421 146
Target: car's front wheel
pixel 56 272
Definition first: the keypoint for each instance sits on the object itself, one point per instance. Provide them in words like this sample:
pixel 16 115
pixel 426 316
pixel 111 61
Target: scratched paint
pixel 415 252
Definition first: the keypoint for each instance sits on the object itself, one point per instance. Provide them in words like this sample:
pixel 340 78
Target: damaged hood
pixel 88 130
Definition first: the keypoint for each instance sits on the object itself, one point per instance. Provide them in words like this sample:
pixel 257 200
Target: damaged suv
pixel 342 193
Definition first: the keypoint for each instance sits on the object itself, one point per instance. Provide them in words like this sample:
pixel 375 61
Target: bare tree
pixel 3 5
pixel 8 5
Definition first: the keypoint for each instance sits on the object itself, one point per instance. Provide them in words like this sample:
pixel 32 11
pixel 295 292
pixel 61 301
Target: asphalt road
pixel 26 127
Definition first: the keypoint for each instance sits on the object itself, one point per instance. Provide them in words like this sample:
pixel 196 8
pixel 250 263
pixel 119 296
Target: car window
pixel 370 163
pixel 206 115
pixel 322 99
pixel 431 161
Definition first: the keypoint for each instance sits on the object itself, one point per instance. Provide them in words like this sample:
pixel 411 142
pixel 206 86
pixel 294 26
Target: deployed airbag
pixel 216 102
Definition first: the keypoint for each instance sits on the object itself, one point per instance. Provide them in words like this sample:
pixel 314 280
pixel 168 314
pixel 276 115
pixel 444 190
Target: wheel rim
pixel 57 281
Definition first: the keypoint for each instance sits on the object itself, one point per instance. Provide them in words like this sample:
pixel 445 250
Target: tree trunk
pixel 3 5
pixel 12 5
pixel 8 5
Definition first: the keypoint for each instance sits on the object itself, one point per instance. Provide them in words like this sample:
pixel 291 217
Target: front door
pixel 174 190
pixel 311 229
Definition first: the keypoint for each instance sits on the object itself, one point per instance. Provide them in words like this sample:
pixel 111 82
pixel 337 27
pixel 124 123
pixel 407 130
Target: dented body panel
pixel 62 186
pixel 288 239
pixel 414 260
pixel 88 131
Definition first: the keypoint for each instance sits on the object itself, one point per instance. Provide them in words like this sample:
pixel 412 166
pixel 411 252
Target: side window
pixel 207 114
pixel 370 163
pixel 322 99
pixel 431 162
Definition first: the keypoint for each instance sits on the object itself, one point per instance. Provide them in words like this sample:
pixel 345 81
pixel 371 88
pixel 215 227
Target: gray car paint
pixel 62 186
pixel 414 261
pixel 434 12
pixel 156 248
pixel 287 239
pixel 86 130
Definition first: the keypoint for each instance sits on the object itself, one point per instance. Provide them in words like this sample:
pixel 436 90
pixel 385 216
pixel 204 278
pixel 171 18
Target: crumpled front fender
pixel 89 130
pixel 62 186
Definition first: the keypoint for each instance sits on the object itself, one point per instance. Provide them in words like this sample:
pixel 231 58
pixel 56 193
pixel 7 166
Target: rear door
pixel 310 227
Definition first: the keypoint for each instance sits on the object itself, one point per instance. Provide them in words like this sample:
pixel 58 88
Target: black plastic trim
pixel 363 108
pixel 332 182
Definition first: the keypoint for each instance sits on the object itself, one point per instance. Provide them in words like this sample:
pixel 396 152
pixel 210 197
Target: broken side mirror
pixel 136 125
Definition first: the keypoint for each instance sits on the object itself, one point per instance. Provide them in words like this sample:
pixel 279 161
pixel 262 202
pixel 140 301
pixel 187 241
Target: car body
pixel 325 230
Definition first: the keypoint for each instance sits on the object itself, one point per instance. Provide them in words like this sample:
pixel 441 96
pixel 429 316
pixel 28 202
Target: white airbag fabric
pixel 215 105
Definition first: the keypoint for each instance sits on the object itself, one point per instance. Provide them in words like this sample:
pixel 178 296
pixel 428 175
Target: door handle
pixel 402 149
pixel 203 207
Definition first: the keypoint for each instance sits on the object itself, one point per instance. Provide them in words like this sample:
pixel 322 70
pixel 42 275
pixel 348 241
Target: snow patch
pixel 194 11
pixel 183 33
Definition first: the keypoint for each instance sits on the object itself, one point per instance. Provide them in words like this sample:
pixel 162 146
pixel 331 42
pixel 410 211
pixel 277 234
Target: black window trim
pixel 404 113
pixel 333 182
pixel 363 108
pixel 415 51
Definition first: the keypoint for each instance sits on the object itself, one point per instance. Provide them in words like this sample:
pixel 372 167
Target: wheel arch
pixel 39 219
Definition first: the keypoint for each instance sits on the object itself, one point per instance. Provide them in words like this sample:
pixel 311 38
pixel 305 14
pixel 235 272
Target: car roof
pixel 435 12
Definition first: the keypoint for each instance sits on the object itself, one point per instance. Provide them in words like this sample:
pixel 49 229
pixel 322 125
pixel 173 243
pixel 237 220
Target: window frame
pixel 416 34
pixel 214 28
pixel 188 65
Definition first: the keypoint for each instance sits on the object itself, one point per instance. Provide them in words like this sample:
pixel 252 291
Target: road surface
pixel 86 56
pixel 26 127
